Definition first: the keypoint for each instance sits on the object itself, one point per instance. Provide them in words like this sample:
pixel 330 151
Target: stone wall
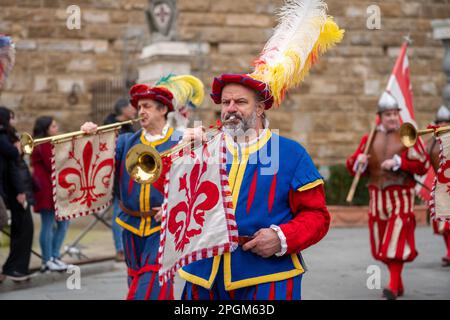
pixel 51 58
pixel 328 113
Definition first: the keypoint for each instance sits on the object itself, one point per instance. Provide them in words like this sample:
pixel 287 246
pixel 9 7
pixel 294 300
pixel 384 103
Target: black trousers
pixel 21 239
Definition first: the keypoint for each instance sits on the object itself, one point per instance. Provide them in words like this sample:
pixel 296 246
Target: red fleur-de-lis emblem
pixel 442 177
pixel 201 196
pixel 103 146
pixel 85 172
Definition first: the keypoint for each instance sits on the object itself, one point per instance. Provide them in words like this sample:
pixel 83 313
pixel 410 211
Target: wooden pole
pixel 351 192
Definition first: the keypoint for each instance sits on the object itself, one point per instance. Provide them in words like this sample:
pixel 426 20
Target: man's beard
pixel 242 126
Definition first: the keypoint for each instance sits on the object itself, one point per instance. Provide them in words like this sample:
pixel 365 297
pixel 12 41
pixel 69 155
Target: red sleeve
pixel 418 165
pixel 311 219
pixel 351 160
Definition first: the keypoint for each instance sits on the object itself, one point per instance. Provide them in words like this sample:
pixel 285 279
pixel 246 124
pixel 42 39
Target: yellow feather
pixel 185 89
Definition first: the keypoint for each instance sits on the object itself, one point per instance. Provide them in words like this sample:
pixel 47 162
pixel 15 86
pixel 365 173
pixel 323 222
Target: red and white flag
pixel 440 202
pixel 198 219
pixel 399 87
pixel 83 175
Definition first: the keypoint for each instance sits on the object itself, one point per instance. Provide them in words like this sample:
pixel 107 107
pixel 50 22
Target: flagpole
pixel 357 177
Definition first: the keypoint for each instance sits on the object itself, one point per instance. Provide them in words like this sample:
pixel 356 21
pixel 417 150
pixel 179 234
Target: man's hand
pixel 89 127
pixel 265 244
pixel 21 198
pixel 18 147
pixel 388 164
pixel 195 134
pixel 362 159
pixel 158 215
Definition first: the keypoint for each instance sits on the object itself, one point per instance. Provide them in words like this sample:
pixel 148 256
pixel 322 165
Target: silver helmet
pixel 387 102
pixel 443 115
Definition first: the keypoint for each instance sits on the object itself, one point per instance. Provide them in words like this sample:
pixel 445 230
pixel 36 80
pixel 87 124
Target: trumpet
pixel 28 143
pixel 409 134
pixel 144 163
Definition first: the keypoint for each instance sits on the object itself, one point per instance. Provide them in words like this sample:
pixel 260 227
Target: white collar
pixel 152 138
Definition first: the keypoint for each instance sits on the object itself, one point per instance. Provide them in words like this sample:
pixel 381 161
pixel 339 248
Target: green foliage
pixel 4 239
pixel 338 185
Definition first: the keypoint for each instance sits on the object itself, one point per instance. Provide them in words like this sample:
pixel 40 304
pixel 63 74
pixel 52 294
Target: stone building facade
pixel 61 71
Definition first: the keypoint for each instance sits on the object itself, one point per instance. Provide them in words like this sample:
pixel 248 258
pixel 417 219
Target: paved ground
pixel 337 270
pixel 96 244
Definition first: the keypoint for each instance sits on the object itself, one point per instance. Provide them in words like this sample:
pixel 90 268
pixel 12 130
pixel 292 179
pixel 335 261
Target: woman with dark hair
pixel 15 189
pixel 52 232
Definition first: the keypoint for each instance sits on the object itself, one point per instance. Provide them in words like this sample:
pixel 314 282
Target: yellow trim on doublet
pixel 141 198
pixel 157 142
pixel 237 180
pixel 207 284
pixel 139 232
pixel 151 231
pixel 147 197
pixel 311 185
pixel 230 285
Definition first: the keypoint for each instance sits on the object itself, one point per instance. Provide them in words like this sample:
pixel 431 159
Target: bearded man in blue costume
pixel 279 203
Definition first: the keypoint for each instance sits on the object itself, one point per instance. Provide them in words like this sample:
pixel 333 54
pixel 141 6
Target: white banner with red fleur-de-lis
pixel 440 202
pixel 198 219
pixel 83 175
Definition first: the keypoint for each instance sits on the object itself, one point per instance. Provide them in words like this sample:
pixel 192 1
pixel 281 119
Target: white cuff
pixel 398 162
pixel 282 238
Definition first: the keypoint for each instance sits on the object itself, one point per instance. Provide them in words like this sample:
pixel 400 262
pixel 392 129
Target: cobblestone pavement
pixel 337 270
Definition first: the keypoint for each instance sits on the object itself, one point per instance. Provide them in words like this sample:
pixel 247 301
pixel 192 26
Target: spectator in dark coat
pixel 15 185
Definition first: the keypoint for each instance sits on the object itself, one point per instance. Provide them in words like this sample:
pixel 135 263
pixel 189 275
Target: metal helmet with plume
pixel 443 115
pixel 387 102
pixel 304 32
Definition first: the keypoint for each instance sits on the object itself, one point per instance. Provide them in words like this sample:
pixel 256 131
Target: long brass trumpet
pixel 28 143
pixel 144 163
pixel 409 134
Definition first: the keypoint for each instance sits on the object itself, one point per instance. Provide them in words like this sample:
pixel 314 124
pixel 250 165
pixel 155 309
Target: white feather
pixel 300 24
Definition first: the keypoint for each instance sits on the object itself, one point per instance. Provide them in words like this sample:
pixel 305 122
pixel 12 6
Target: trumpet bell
pixel 27 143
pixel 408 135
pixel 143 163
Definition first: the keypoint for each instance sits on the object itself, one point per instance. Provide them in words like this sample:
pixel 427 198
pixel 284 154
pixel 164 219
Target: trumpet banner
pixel 198 219
pixel 83 175
pixel 440 202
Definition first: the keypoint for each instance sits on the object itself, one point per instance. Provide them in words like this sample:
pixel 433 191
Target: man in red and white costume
pixel 391 168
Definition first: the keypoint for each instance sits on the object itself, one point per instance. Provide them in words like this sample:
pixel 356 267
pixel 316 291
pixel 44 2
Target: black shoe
pixel 446 262
pixel 17 276
pixel 389 294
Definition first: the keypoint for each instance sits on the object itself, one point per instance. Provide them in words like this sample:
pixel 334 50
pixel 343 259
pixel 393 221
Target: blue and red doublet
pixel 141 235
pixel 273 182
